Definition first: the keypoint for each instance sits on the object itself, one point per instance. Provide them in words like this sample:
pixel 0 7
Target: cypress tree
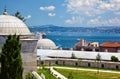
pixel 11 62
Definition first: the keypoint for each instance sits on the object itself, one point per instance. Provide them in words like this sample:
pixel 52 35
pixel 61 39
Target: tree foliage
pixel 98 57
pixel 73 56
pixel 11 62
pixel 30 76
pixel 17 14
pixel 114 59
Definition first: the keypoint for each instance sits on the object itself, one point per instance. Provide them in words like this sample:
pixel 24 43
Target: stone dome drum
pixel 12 25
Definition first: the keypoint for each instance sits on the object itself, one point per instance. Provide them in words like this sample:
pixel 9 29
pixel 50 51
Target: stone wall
pixel 2 41
pixel 84 63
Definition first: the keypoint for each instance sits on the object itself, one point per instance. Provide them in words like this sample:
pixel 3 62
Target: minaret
pixel 5 11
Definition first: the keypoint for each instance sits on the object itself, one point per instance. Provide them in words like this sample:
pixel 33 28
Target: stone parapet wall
pixel 84 63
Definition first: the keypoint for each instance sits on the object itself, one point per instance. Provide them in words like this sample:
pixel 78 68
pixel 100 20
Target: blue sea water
pixel 69 39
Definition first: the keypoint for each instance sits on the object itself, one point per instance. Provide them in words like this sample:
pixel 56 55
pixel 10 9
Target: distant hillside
pixel 52 28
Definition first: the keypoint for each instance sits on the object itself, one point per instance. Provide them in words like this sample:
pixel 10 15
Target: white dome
pixel 46 44
pixel 12 25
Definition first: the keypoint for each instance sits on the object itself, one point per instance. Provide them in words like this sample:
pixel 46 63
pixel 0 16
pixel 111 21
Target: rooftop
pixel 110 44
pixel 12 25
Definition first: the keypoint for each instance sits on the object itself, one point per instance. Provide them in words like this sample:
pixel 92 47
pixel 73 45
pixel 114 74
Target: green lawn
pixel 77 74
pixel 86 68
pixel 46 73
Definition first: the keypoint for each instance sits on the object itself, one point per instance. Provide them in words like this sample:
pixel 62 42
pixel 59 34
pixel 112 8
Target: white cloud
pixel 114 21
pixel 117 13
pixel 28 16
pixel 87 7
pixel 74 20
pixel 109 22
pixel 51 14
pixel 92 7
pixel 110 5
pixel 94 21
pixel 109 9
pixel 69 21
pixel 106 6
pixel 47 8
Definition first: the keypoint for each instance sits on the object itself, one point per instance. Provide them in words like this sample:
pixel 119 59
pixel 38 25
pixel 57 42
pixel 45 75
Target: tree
pixel 73 56
pixel 114 59
pixel 80 61
pixel 11 62
pixel 98 58
pixel 17 14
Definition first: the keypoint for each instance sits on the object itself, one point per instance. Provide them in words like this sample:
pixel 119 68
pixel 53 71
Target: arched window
pixel 89 64
pixel 117 67
pixel 56 62
pixel 76 63
pixel 102 65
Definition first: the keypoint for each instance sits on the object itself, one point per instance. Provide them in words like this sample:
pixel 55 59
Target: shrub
pixel 30 76
pixel 73 56
pixel 114 58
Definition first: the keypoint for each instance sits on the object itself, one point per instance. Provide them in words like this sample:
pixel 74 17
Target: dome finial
pixel 5 11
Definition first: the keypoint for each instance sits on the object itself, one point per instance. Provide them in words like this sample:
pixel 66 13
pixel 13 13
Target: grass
pixel 77 74
pixel 46 73
pixel 86 68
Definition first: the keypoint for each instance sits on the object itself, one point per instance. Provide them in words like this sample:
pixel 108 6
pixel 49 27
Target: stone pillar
pixel 29 55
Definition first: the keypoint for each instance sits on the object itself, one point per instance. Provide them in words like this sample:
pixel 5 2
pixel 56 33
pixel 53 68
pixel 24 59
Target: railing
pixel 57 74
pixel 37 75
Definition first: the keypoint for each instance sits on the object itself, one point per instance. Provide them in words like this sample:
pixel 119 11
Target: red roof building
pixel 110 47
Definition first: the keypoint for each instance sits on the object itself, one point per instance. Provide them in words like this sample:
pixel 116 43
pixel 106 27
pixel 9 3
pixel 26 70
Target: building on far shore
pixel 110 47
pixel 83 45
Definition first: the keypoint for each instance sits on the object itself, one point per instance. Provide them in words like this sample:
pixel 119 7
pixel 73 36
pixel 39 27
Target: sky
pixel 66 13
